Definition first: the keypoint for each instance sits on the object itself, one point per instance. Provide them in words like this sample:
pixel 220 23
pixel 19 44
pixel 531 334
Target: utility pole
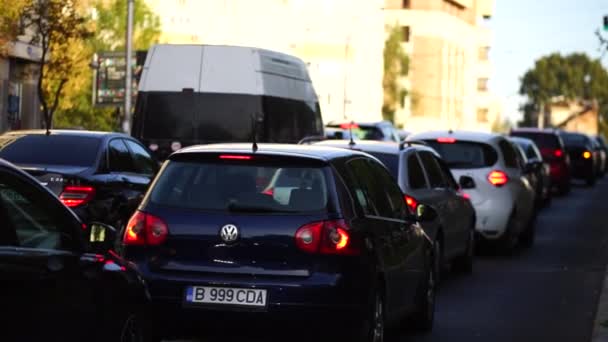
pixel 126 124
pixel 541 116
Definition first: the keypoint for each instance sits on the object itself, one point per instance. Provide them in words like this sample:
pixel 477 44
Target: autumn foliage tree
pixel 396 65
pixel 10 12
pixel 57 26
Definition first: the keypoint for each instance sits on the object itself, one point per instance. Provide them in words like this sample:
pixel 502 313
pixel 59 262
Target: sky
pixel 525 30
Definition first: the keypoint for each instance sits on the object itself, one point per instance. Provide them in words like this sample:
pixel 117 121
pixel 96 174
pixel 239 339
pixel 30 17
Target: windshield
pixel 40 149
pixel 575 139
pixel 542 140
pixel 465 155
pixel 241 187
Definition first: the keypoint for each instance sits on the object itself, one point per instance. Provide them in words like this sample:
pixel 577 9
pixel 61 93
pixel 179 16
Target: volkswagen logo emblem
pixel 229 233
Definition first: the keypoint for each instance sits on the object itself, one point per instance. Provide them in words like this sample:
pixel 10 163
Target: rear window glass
pixel 241 187
pixel 575 139
pixel 542 140
pixel 41 149
pixel 391 161
pixel 465 154
pixel 364 132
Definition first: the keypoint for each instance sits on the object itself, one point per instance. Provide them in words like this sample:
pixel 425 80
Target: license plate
pixel 226 296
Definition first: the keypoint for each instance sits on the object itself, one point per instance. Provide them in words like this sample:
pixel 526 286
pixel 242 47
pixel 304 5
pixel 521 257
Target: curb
pixel 600 325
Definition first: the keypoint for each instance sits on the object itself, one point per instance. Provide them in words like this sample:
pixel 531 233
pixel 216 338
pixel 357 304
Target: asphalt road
pixel 546 293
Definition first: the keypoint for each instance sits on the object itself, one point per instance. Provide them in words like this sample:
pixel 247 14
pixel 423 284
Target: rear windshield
pixel 465 154
pixel 364 132
pixel 391 161
pixel 575 139
pixel 41 149
pixel 542 140
pixel 241 187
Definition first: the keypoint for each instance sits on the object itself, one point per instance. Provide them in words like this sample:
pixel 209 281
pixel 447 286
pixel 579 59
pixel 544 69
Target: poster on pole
pixel 110 74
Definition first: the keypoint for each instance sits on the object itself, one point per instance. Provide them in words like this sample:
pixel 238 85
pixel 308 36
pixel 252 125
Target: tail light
pixel 558 153
pixel 446 140
pixel 412 204
pixel 586 154
pixel 552 153
pixel 145 229
pixel 76 195
pixel 498 178
pixel 326 237
pixel 464 195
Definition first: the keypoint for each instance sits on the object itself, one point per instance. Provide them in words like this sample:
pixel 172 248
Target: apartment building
pixel 340 40
pixel 448 45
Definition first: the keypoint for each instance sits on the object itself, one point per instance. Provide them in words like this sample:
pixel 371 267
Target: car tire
pixel 590 181
pixel 509 239
pixel 130 328
pixel 424 315
pixel 529 235
pixel 374 324
pixel 464 263
pixel 564 188
pixel 547 201
pixel 438 261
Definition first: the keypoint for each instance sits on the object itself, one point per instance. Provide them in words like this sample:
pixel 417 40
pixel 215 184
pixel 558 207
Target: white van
pixel 198 94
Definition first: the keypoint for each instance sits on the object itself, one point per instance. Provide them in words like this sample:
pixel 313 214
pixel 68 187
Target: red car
pixel 554 153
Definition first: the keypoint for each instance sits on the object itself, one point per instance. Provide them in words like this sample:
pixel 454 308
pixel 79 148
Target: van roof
pixel 225 69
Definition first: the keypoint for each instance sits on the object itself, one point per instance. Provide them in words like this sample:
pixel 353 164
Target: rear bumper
pixel 560 173
pixel 583 169
pixel 321 295
pixel 493 216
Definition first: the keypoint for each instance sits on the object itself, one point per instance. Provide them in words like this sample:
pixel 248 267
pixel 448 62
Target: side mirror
pixel 100 237
pixel 425 213
pixel 466 182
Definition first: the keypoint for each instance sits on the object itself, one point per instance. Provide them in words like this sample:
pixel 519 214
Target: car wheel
pixel 375 323
pixel 564 188
pixel 547 201
pixel 529 235
pixel 591 181
pixel 128 329
pixel 509 239
pixel 438 261
pixel 464 263
pixel 424 316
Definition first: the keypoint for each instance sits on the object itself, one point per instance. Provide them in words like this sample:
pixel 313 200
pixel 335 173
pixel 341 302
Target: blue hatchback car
pixel 281 232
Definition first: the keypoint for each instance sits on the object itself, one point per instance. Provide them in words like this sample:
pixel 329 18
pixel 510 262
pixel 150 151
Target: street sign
pixel 109 78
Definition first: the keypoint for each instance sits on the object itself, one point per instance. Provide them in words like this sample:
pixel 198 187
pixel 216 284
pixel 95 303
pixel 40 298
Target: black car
pixel 424 178
pixel 102 176
pixel 287 232
pixel 583 158
pixel 538 171
pixel 601 151
pixel 59 282
pixel 381 130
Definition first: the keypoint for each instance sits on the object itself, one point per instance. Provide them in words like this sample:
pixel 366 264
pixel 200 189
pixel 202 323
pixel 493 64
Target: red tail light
pixel 349 126
pixel 326 237
pixel 446 140
pixel 558 153
pixel 76 195
pixel 498 178
pixel 235 157
pixel 464 195
pixel 145 229
pixel 412 204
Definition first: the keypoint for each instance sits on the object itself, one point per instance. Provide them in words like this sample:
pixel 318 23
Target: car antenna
pixel 351 143
pixel 254 129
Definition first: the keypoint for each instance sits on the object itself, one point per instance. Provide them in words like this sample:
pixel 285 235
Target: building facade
pixel 19 104
pixel 340 40
pixel 448 46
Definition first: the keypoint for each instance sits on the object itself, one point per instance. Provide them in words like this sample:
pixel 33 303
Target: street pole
pixel 126 125
pixel 541 116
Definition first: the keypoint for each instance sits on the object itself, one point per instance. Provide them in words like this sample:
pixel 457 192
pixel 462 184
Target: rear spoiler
pixel 410 143
pixel 310 139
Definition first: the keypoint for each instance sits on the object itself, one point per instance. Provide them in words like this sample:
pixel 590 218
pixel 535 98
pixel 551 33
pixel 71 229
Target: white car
pixel 491 173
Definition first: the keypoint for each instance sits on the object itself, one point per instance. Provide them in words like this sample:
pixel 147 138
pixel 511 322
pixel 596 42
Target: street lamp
pixel 126 125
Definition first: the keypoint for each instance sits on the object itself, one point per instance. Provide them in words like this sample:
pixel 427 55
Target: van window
pixel 509 154
pixel 288 121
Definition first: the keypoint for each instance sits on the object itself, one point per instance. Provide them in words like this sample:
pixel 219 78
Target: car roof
pixel 373 146
pixel 458 135
pixel 70 132
pixel 535 130
pixel 324 153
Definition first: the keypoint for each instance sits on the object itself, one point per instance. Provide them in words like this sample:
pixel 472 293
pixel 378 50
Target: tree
pixel 571 77
pixel 396 65
pixel 501 125
pixel 109 21
pixel 57 26
pixel 10 12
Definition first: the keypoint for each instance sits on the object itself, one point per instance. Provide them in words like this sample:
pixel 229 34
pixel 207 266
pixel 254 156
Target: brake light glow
pixel 446 140
pixel 349 126
pixel 498 178
pixel 145 229
pixel 412 204
pixel 586 154
pixel 235 157
pixel 558 153
pixel 76 195
pixel 326 237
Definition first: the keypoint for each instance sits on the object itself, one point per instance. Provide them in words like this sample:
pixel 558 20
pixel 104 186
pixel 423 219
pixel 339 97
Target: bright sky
pixel 525 30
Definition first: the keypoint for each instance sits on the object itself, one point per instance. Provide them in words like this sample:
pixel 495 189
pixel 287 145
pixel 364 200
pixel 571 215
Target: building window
pixel 406 33
pixel 484 53
pixel 482 84
pixel 406 4
pixel 482 115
